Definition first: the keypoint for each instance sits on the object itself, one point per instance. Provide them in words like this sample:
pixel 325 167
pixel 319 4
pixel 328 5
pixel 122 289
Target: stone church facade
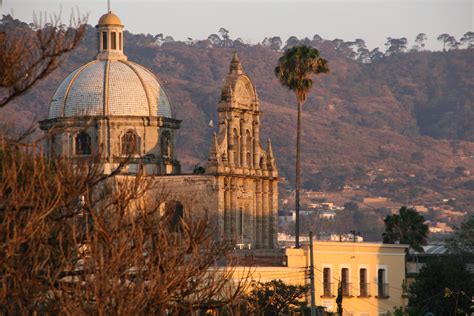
pixel 112 109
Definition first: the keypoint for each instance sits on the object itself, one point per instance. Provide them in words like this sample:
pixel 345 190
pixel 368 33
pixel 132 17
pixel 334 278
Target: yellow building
pixel 371 275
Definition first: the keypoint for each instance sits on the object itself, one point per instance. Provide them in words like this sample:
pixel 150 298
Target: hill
pixel 408 114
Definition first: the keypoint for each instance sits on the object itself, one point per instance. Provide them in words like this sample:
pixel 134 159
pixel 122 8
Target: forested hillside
pixel 408 113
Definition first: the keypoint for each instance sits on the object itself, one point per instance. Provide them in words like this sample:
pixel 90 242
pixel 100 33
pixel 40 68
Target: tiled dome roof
pixel 110 87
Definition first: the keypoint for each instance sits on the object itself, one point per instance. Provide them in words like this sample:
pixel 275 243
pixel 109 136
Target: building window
pixel 241 225
pixel 178 216
pixel 104 40
pixel 130 143
pixel 364 286
pixel 248 141
pixel 120 41
pixel 382 285
pixel 345 285
pixel 114 40
pixel 166 144
pixel 327 285
pixel 173 214
pixel 83 144
pixel 236 147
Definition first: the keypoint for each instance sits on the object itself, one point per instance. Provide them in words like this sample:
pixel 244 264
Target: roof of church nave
pixel 110 85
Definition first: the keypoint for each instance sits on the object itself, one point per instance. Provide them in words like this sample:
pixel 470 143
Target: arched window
pixel 173 213
pixel 104 40
pixel 83 144
pixel 114 40
pixel 130 143
pixel 248 140
pixel 166 144
pixel 236 147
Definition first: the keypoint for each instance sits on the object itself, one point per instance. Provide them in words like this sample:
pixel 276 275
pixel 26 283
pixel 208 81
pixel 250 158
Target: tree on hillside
pixel 452 43
pixel 317 39
pixel 444 38
pixel 29 54
pixel 294 71
pixel 292 41
pixel 238 43
pixel 395 45
pixel 225 36
pixel 420 40
pixel 338 44
pixel 363 54
pixel 375 54
pixel 215 40
pixel 443 287
pixel 407 227
pixel 158 39
pixel 273 43
pixel 468 39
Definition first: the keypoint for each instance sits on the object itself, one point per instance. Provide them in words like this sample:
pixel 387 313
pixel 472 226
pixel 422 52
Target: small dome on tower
pixel 110 19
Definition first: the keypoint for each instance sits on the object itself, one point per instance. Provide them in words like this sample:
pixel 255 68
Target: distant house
pixel 327 214
pixel 440 228
pixel 420 208
pixel 417 260
pixel 327 205
pixel 377 199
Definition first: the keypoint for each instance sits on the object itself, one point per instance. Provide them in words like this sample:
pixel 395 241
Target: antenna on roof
pixel 108 6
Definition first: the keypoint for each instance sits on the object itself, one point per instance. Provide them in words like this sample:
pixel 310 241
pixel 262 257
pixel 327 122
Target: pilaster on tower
pixel 271 165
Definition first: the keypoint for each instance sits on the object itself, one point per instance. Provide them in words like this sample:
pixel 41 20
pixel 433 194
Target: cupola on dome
pixel 110 19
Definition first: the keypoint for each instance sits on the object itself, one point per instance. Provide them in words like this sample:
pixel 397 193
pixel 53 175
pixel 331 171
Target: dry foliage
pixel 28 54
pixel 74 241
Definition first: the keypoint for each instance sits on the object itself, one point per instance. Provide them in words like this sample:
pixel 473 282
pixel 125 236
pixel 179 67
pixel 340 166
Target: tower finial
pixel 235 58
pixel 235 64
pixel 108 6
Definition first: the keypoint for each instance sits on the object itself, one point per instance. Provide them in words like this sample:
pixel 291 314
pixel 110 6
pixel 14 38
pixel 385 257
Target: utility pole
pixel 311 274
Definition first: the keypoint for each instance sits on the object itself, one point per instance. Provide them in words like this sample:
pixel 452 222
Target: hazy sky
pixel 253 20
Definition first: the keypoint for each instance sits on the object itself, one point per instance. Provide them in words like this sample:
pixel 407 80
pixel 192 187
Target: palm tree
pixel 294 71
pixel 408 227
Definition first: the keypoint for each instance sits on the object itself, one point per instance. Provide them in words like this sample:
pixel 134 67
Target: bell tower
pixel 245 170
pixel 236 147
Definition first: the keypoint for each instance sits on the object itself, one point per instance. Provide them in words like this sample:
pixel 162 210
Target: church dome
pixel 110 87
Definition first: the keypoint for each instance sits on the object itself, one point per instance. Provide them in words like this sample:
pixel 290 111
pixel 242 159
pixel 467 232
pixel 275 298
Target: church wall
pixel 199 194
pixel 106 136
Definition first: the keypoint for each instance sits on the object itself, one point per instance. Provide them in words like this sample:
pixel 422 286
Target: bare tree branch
pixel 30 53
